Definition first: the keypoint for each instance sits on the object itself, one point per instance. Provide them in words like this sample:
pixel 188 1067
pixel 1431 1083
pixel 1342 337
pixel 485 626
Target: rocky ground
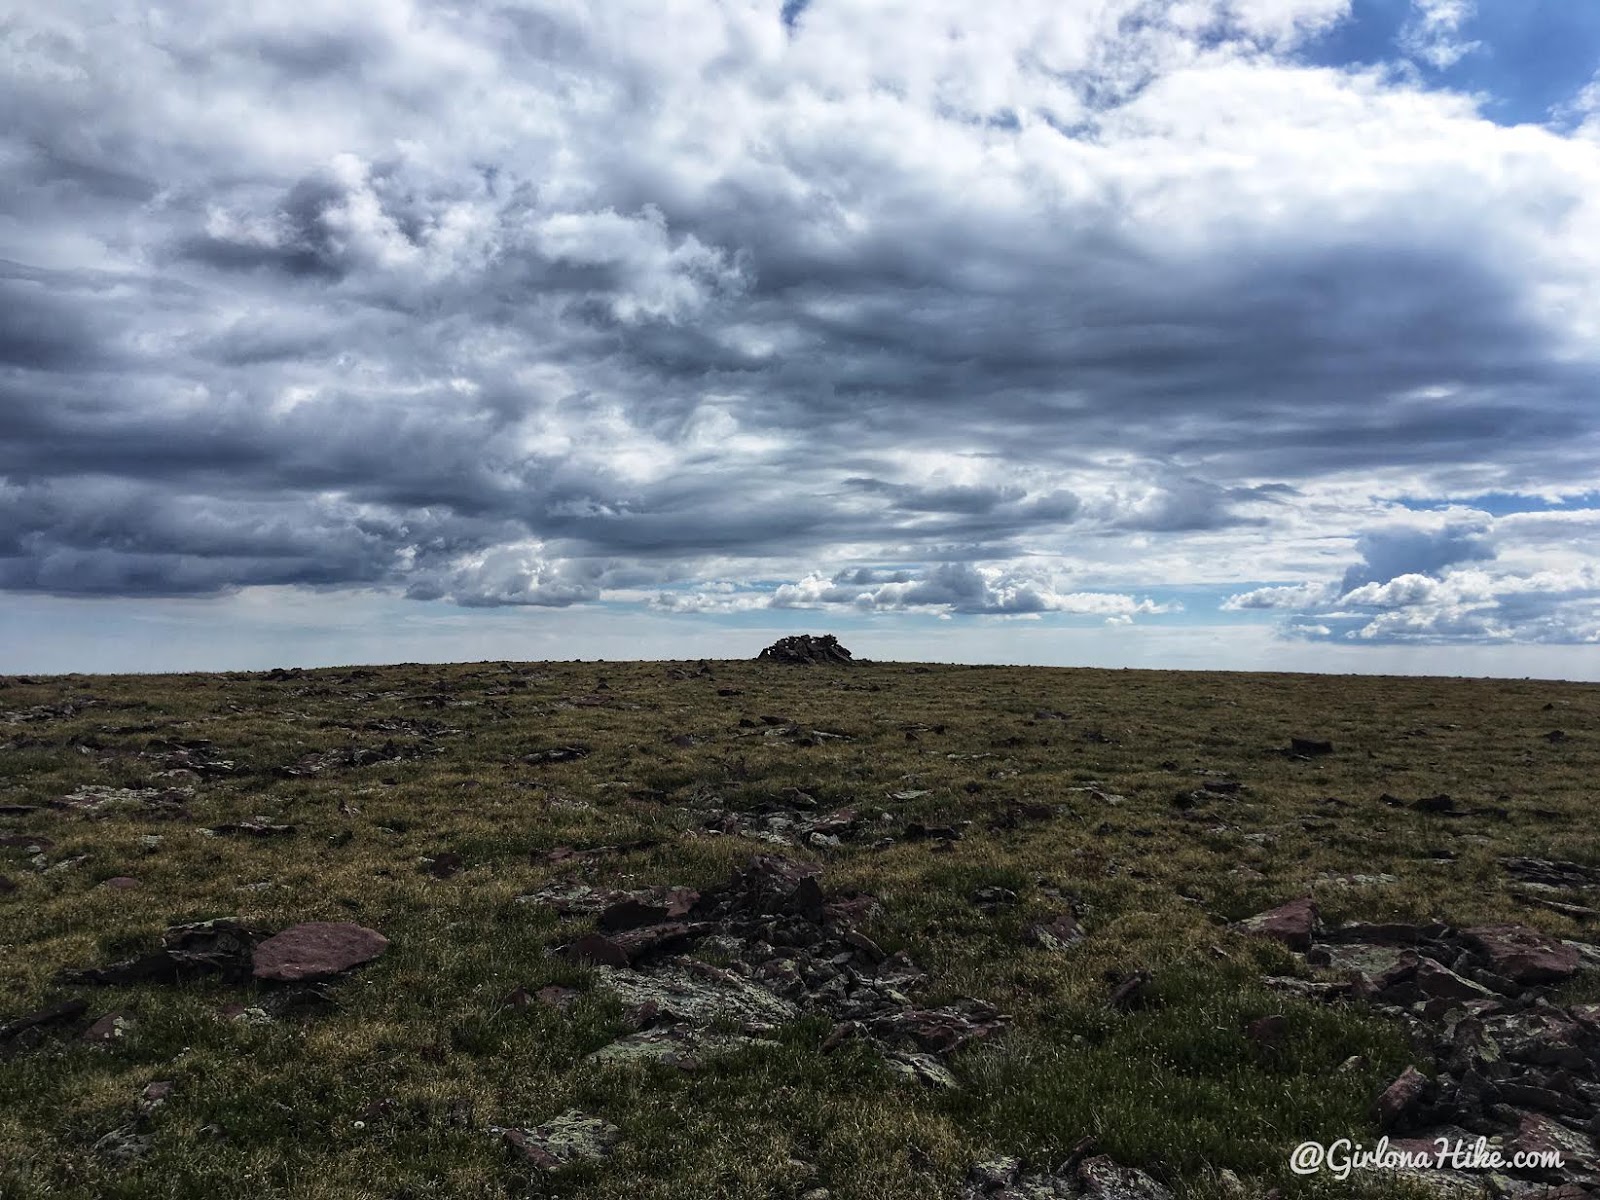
pixel 802 927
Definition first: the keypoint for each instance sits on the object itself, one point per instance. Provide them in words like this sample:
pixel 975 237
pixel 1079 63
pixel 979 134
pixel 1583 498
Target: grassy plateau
pixel 1062 790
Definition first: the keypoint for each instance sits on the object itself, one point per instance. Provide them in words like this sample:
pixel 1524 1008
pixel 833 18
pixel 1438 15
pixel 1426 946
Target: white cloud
pixel 965 588
pixel 1434 32
pixel 1081 299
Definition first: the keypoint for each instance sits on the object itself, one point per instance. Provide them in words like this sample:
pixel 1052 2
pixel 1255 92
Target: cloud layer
pixel 964 309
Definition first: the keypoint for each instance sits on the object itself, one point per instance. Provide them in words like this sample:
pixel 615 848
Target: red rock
pixel 1523 955
pixel 1401 1099
pixel 316 950
pixel 1292 923
pixel 1435 980
pixel 1539 1134
pixel 107 1029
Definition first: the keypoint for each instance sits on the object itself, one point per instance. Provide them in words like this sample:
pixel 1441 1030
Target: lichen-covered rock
pixel 572 1136
pixel 922 1069
pixel 681 1046
pixel 698 993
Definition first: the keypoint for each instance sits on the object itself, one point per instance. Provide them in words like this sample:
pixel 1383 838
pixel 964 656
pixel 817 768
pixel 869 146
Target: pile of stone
pixel 804 650
pixel 793 824
pixel 1498 1054
pixel 199 756
pixel 790 951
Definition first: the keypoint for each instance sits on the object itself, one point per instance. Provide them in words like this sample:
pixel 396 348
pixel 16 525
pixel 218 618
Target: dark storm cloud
pixel 521 305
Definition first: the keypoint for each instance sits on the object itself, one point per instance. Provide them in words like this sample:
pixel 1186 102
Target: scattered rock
pixel 569 1138
pixel 556 754
pixel 1551 873
pixel 123 1147
pixel 346 758
pixel 157 803
pixel 259 828
pixel 316 950
pixel 1434 804
pixel 1096 1177
pixel 805 650
pixel 790 951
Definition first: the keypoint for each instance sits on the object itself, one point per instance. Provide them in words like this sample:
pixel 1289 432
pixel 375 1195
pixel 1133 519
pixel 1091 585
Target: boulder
pixel 1292 924
pixel 1397 1107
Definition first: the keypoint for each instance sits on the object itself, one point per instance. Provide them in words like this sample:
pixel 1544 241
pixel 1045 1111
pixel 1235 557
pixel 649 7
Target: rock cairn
pixel 804 650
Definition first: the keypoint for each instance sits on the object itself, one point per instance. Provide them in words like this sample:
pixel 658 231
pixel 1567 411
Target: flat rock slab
pixel 1524 955
pixel 698 993
pixel 316 950
pixel 679 1046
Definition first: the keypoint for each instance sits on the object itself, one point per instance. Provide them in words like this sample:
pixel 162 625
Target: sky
pixel 1241 334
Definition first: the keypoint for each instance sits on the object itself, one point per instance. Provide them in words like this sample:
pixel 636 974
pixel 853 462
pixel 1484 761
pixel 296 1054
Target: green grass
pixel 1175 1086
